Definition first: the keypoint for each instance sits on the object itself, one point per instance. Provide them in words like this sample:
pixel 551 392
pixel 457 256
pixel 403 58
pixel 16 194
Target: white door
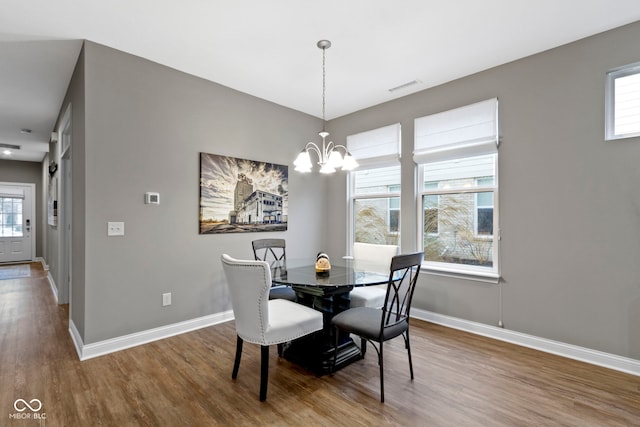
pixel 17 222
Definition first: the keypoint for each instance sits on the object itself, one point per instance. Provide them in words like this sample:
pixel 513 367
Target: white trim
pixel 76 338
pixel 594 357
pixel 474 275
pixel 89 351
pixel 42 261
pixel 52 283
pixel 64 123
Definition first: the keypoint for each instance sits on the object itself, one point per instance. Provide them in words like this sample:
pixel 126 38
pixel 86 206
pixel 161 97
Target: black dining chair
pixel 273 251
pixel 377 325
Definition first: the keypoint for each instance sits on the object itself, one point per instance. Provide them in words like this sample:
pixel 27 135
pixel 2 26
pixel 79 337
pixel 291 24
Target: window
pixel 623 102
pixel 456 152
pixel 430 209
pixel 11 216
pixel 374 190
pixel 484 207
pixel 394 214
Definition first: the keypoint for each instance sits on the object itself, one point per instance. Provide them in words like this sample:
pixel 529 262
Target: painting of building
pixel 240 195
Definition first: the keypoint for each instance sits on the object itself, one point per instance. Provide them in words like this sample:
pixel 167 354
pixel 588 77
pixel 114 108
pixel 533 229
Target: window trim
pixel 612 75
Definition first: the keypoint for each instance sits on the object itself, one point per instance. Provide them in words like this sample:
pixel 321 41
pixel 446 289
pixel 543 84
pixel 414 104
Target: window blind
pixel 378 147
pixel 462 132
pixel 627 105
pixel 12 193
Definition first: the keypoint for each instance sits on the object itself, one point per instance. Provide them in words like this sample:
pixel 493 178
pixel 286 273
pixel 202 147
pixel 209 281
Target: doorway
pixel 17 222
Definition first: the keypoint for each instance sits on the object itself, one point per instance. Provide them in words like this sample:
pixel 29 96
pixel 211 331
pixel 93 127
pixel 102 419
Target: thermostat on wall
pixel 151 198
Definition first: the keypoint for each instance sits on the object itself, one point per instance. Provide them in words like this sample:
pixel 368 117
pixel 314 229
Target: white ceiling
pixel 268 48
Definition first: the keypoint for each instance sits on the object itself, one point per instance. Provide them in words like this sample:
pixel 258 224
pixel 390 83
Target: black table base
pixel 315 356
pixel 315 352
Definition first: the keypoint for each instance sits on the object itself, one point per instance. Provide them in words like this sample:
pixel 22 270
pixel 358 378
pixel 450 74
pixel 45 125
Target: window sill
pixel 477 276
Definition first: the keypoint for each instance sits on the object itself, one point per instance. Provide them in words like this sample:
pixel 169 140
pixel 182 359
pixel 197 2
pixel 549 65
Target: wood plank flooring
pixel 460 380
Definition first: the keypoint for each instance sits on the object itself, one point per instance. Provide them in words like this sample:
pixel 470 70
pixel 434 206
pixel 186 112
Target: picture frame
pixel 241 195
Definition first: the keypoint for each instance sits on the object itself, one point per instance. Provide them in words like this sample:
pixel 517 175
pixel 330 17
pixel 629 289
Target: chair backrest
pixel 403 276
pixel 269 250
pixel 249 282
pixel 373 257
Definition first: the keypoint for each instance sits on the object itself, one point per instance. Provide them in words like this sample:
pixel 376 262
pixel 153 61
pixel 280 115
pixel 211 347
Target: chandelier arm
pixel 346 151
pixel 330 147
pixel 313 147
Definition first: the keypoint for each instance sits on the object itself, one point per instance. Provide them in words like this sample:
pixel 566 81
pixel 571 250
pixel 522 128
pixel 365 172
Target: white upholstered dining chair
pixel 371 257
pixel 260 320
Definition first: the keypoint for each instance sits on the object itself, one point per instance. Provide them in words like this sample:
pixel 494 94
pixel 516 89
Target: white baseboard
pixel 76 338
pixel 88 351
pixel 41 260
pixel 594 357
pixel 52 283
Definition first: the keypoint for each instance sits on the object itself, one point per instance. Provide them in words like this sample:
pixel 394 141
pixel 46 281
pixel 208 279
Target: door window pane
pixel 11 217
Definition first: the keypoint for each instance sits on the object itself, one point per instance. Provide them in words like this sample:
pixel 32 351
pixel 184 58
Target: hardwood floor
pixel 460 379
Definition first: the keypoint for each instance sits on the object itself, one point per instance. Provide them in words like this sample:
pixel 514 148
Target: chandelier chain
pixel 324 76
pixel 329 156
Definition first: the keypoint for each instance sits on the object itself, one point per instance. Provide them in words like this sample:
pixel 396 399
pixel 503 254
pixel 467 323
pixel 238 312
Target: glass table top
pixel 342 273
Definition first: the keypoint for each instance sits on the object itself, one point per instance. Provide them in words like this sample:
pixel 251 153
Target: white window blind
pixel 376 147
pixel 466 131
pixel 13 193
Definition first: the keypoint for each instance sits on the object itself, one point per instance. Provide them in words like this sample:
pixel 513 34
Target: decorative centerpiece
pixel 323 265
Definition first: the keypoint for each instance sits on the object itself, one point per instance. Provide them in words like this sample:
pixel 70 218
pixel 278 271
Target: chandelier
pixel 329 156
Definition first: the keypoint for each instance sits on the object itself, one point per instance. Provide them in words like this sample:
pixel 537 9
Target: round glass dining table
pixel 329 294
pixel 343 274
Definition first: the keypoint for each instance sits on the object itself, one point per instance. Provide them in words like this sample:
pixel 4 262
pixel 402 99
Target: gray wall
pixel 141 128
pixel 570 209
pixel 569 201
pixel 27 173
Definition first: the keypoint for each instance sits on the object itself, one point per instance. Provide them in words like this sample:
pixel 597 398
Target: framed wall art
pixel 241 195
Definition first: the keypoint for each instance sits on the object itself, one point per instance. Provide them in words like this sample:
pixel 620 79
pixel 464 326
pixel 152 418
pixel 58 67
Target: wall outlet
pixel 166 299
pixel 115 229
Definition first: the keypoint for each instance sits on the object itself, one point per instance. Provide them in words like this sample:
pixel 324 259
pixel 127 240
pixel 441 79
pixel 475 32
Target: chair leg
pixel 236 364
pixel 280 349
pixel 363 346
pixel 264 371
pixel 408 345
pixel 381 363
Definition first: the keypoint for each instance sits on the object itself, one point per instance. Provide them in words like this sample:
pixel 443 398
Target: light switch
pixel 115 229
pixel 166 299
